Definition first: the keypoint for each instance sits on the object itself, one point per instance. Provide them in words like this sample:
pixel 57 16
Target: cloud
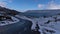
pixel 3 4
pixel 53 5
pixel 50 5
pixel 40 5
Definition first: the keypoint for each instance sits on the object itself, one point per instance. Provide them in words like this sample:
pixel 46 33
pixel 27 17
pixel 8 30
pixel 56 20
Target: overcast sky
pixel 23 5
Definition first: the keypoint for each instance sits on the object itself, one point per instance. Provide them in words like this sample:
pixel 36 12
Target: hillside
pixel 8 11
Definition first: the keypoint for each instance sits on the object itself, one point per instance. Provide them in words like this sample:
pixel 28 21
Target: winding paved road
pixel 16 28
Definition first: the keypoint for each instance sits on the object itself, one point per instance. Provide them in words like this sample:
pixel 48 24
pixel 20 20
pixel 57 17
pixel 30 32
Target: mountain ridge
pixel 38 13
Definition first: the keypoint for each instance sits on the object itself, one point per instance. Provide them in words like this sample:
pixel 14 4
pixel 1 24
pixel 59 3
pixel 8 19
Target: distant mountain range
pixel 38 13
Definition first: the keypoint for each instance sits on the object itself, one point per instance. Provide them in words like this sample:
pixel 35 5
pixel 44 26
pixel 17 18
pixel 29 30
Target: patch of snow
pixel 6 22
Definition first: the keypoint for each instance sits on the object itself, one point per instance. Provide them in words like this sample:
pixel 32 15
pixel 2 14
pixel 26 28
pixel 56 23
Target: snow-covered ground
pixel 48 25
pixel 45 25
pixel 6 22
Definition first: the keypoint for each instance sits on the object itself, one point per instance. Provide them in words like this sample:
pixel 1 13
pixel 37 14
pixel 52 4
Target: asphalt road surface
pixel 22 27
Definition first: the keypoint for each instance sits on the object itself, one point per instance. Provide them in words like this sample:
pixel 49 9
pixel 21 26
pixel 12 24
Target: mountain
pixel 38 13
pixel 8 11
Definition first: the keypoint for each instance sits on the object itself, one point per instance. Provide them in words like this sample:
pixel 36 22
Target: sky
pixel 23 5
